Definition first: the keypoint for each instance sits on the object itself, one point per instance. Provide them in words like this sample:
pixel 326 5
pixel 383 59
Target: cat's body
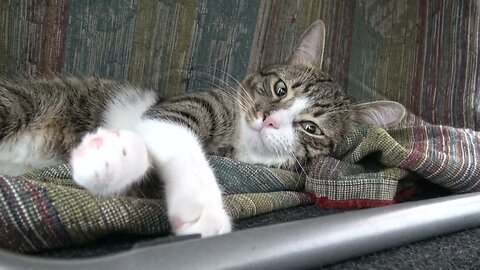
pixel 112 133
pixel 44 119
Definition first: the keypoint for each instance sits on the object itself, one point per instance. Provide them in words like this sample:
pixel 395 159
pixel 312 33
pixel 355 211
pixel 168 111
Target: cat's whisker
pixel 297 172
pixel 305 75
pixel 312 68
pixel 227 95
pixel 215 78
pixel 247 98
pixel 226 84
pixel 286 148
pixel 234 98
pixel 236 102
pixel 241 88
pixel 298 162
pixel 299 166
pixel 277 154
pixel 233 78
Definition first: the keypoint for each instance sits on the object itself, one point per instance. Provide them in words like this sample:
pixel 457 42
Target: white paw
pixel 194 200
pixel 108 162
pixel 199 218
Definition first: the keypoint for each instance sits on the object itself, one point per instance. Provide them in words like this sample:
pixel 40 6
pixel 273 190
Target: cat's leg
pixel 194 199
pixel 108 162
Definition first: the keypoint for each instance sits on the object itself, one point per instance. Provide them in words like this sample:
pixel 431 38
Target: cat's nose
pixel 270 121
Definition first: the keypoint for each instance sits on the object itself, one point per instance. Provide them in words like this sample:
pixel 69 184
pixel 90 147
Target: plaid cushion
pixel 364 171
pixel 44 209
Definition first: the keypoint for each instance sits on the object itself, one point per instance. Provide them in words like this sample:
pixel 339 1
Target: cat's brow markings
pixel 268 73
pixel 318 113
pixel 307 87
pixel 296 84
pixel 324 79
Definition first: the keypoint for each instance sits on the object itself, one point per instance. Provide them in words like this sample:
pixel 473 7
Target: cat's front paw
pixel 194 200
pixel 108 162
pixel 205 218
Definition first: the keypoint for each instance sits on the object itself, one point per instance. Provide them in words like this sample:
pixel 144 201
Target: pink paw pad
pixel 96 142
pixel 108 162
pixel 176 222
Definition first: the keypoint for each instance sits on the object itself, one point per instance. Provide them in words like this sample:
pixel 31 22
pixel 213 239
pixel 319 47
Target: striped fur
pixel 54 113
pixel 112 133
pixel 62 110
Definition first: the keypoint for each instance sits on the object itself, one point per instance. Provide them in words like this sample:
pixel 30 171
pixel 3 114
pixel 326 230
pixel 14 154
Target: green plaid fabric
pixel 44 209
pixel 364 171
pixel 424 55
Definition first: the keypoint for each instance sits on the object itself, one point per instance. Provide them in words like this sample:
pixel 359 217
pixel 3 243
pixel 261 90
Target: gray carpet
pixel 459 250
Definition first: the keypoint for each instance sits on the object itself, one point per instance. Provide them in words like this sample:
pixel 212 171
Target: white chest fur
pixel 24 153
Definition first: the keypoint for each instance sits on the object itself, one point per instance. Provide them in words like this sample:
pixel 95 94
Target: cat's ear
pixel 311 46
pixel 380 113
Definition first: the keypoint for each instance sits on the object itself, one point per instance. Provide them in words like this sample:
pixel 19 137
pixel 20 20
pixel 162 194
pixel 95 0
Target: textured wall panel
pixel 14 37
pixel 424 54
pixel 281 23
pixel 99 39
pixel 222 42
pixel 161 45
pixel 33 36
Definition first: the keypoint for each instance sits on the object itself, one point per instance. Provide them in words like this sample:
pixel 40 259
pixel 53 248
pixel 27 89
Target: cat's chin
pixel 258 158
pixel 262 146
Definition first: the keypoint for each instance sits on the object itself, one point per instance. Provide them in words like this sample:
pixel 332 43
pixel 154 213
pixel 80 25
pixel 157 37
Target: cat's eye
pixel 280 89
pixel 311 128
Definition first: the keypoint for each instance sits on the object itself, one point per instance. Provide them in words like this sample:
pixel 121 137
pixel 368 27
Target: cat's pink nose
pixel 270 121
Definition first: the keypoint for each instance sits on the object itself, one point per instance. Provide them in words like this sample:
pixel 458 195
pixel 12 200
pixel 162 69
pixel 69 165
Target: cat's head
pixel 294 111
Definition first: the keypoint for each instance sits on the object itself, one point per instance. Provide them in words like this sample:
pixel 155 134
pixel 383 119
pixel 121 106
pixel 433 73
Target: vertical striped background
pixel 424 54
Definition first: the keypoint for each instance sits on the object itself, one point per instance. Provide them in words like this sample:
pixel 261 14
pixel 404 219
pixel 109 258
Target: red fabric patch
pixel 325 202
pixel 401 196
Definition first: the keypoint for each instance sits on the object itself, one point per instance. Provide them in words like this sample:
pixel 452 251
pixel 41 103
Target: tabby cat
pixel 112 133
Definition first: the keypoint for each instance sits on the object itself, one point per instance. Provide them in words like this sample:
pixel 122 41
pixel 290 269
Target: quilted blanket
pixel 44 209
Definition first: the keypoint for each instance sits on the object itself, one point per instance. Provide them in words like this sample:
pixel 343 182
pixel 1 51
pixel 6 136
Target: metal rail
pixel 305 243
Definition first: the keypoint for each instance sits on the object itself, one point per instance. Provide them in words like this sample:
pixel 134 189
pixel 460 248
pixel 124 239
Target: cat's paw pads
pixel 108 162
pixel 208 219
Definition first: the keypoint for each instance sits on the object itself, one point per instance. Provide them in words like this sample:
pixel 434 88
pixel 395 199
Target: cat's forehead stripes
pixel 299 105
pixel 299 76
pixel 330 108
pixel 296 84
pixel 268 73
